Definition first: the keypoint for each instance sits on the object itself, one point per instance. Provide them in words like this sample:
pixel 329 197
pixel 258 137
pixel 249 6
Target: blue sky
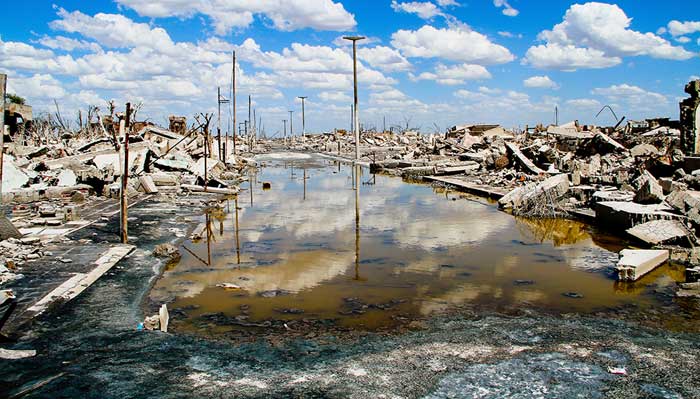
pixel 431 64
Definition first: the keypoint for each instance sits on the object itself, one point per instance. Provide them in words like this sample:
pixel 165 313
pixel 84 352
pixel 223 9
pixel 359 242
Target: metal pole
pixel 247 130
pixel 354 40
pixel 218 127
pixel 352 118
pixel 125 179
pixel 357 221
pixel 291 124
pixel 234 106
pixel 3 87
pixel 285 131
pixel 303 119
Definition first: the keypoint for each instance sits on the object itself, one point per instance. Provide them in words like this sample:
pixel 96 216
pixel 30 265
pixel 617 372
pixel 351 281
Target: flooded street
pixel 436 295
pixel 296 251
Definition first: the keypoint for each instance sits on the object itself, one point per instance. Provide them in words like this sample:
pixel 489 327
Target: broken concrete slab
pixel 174 165
pixel 618 215
pixel 210 190
pixel 148 185
pixel 9 354
pixel 644 150
pixel 649 191
pixel 12 176
pixel 74 286
pixel 214 167
pixel 523 160
pixel 635 263
pixel 684 200
pixel 610 142
pixel 7 229
pixel 658 232
pixel 525 197
pixel 67 178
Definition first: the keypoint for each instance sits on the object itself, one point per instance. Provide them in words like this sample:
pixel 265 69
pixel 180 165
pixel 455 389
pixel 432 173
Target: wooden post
pixel 3 84
pixel 206 155
pixel 125 179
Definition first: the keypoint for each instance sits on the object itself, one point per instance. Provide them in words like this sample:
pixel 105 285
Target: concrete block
pixel 147 184
pixel 634 263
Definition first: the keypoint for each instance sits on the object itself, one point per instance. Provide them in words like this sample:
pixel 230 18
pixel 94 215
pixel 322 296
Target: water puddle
pixel 311 247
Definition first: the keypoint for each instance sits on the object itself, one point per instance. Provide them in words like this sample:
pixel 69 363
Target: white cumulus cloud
pixel 455 74
pixel 597 35
pixel 678 28
pixel 286 15
pixel 455 44
pixel 507 8
pixel 540 82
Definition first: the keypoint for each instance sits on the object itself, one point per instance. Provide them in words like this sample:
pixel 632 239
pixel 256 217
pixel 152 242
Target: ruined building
pixel 178 124
pixel 690 119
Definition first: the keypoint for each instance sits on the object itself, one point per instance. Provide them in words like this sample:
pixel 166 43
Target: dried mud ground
pixel 90 348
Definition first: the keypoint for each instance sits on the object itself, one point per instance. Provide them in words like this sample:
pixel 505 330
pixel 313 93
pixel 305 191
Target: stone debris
pixel 168 251
pixel 57 181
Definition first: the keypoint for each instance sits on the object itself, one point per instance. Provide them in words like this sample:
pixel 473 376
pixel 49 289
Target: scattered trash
pixel 229 286
pixel 617 370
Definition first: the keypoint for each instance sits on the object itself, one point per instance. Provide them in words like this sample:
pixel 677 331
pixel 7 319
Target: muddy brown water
pixel 296 252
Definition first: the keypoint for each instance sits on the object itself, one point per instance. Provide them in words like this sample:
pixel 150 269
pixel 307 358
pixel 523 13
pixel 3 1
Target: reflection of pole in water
pixel 352 176
pixel 250 182
pixel 357 224
pixel 304 184
pixel 208 239
pixel 238 242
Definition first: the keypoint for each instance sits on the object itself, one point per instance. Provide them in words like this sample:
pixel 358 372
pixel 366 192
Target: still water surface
pixel 312 247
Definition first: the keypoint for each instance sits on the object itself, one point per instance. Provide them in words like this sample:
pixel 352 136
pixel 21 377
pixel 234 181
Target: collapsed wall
pixel 690 119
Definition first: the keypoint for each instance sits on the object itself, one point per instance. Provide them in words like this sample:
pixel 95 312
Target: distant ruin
pixel 690 119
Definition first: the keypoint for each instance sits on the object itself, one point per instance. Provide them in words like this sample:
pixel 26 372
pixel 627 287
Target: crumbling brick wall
pixel 690 119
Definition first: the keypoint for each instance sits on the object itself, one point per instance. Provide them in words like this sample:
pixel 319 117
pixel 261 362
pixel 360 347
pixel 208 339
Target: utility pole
pixel 248 127
pixel 125 178
pixel 303 119
pixel 352 119
pixel 255 127
pixel 354 40
pixel 3 87
pixel 220 101
pixel 384 129
pixel 285 131
pixel 234 104
pixel 291 124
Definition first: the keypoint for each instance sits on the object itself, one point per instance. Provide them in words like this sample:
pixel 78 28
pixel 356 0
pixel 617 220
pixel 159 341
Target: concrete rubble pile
pixel 47 187
pixel 640 179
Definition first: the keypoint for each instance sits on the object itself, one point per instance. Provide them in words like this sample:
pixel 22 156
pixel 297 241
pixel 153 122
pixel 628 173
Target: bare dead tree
pixel 135 109
pixel 112 106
